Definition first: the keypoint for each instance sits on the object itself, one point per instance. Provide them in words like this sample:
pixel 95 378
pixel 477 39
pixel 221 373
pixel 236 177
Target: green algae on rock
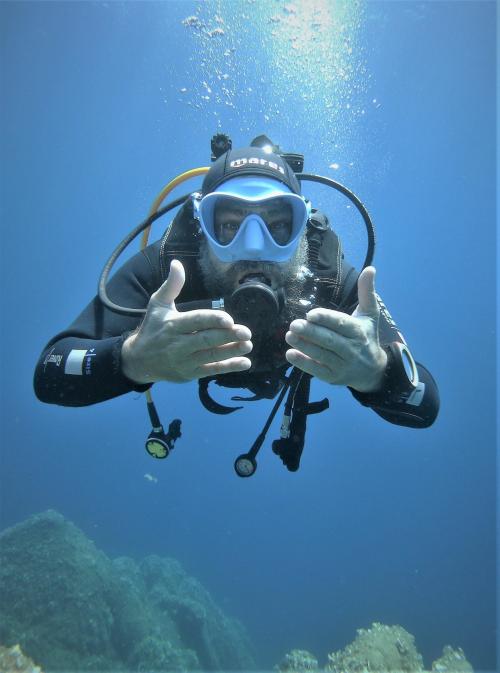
pixel 298 661
pixel 380 648
pixel 452 661
pixel 71 607
pixel 12 660
pixel 391 649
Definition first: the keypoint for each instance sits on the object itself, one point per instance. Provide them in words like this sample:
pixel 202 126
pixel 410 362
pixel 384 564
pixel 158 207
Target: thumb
pixel 368 304
pixel 167 293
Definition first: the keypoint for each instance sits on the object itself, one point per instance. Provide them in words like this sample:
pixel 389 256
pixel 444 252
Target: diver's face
pixel 222 278
pixel 229 213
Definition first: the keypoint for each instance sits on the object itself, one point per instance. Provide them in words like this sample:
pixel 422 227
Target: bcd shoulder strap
pixel 182 241
pixel 326 259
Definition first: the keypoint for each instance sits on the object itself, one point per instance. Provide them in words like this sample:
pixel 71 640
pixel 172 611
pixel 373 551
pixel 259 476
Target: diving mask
pixel 252 218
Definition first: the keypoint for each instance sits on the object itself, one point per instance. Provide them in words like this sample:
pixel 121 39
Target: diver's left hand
pixel 339 348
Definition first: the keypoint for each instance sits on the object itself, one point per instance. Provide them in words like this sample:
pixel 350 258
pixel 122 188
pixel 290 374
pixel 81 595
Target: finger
pixel 202 319
pixel 338 322
pixel 224 367
pixel 309 366
pixel 317 352
pixel 167 293
pixel 224 352
pixel 213 338
pixel 367 298
pixel 324 337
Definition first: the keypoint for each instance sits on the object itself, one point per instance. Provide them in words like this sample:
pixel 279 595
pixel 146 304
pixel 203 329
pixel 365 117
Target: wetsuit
pixel 81 365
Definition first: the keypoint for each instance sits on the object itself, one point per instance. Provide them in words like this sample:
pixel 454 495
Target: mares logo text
pixel 254 161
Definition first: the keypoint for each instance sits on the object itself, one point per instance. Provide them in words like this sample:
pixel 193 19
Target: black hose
pixel 370 230
pixel 103 279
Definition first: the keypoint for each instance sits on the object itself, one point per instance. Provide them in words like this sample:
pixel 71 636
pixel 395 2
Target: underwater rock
pixel 54 593
pixel 12 659
pixel 219 642
pixel 452 661
pixel 380 648
pixel 72 608
pixel 154 653
pixel 298 661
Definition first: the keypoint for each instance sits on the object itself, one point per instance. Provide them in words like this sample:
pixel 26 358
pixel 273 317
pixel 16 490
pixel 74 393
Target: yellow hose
pixel 194 172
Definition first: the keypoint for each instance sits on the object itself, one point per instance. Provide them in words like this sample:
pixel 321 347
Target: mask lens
pixel 278 216
pixel 229 213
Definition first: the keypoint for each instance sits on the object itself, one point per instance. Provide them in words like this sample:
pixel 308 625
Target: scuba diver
pixel 248 288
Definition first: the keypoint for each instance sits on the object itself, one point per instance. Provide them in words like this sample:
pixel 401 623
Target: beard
pixel 222 278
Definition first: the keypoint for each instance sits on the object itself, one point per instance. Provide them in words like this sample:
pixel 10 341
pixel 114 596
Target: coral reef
pixel 452 661
pixel 381 648
pixel 71 607
pixel 298 661
pixel 13 660
pixel 391 649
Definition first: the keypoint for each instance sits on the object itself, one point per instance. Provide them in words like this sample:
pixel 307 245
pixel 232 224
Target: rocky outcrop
pixel 12 660
pixel 452 661
pixel 381 648
pixel 298 661
pixel 69 606
pixel 387 649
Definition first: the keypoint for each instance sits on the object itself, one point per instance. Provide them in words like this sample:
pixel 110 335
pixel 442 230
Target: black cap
pixel 249 161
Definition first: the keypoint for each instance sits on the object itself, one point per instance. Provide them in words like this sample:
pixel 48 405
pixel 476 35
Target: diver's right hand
pixel 183 346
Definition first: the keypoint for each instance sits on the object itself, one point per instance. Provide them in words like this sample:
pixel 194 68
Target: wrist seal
pixel 400 378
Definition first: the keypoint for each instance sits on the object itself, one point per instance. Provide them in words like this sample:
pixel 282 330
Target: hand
pixel 339 348
pixel 182 346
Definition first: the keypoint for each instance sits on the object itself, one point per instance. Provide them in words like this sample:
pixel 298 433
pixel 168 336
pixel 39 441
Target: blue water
pixel 396 100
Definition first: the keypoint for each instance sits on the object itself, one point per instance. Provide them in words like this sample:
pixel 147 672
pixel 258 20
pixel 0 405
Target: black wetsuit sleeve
pixel 418 410
pixel 82 364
